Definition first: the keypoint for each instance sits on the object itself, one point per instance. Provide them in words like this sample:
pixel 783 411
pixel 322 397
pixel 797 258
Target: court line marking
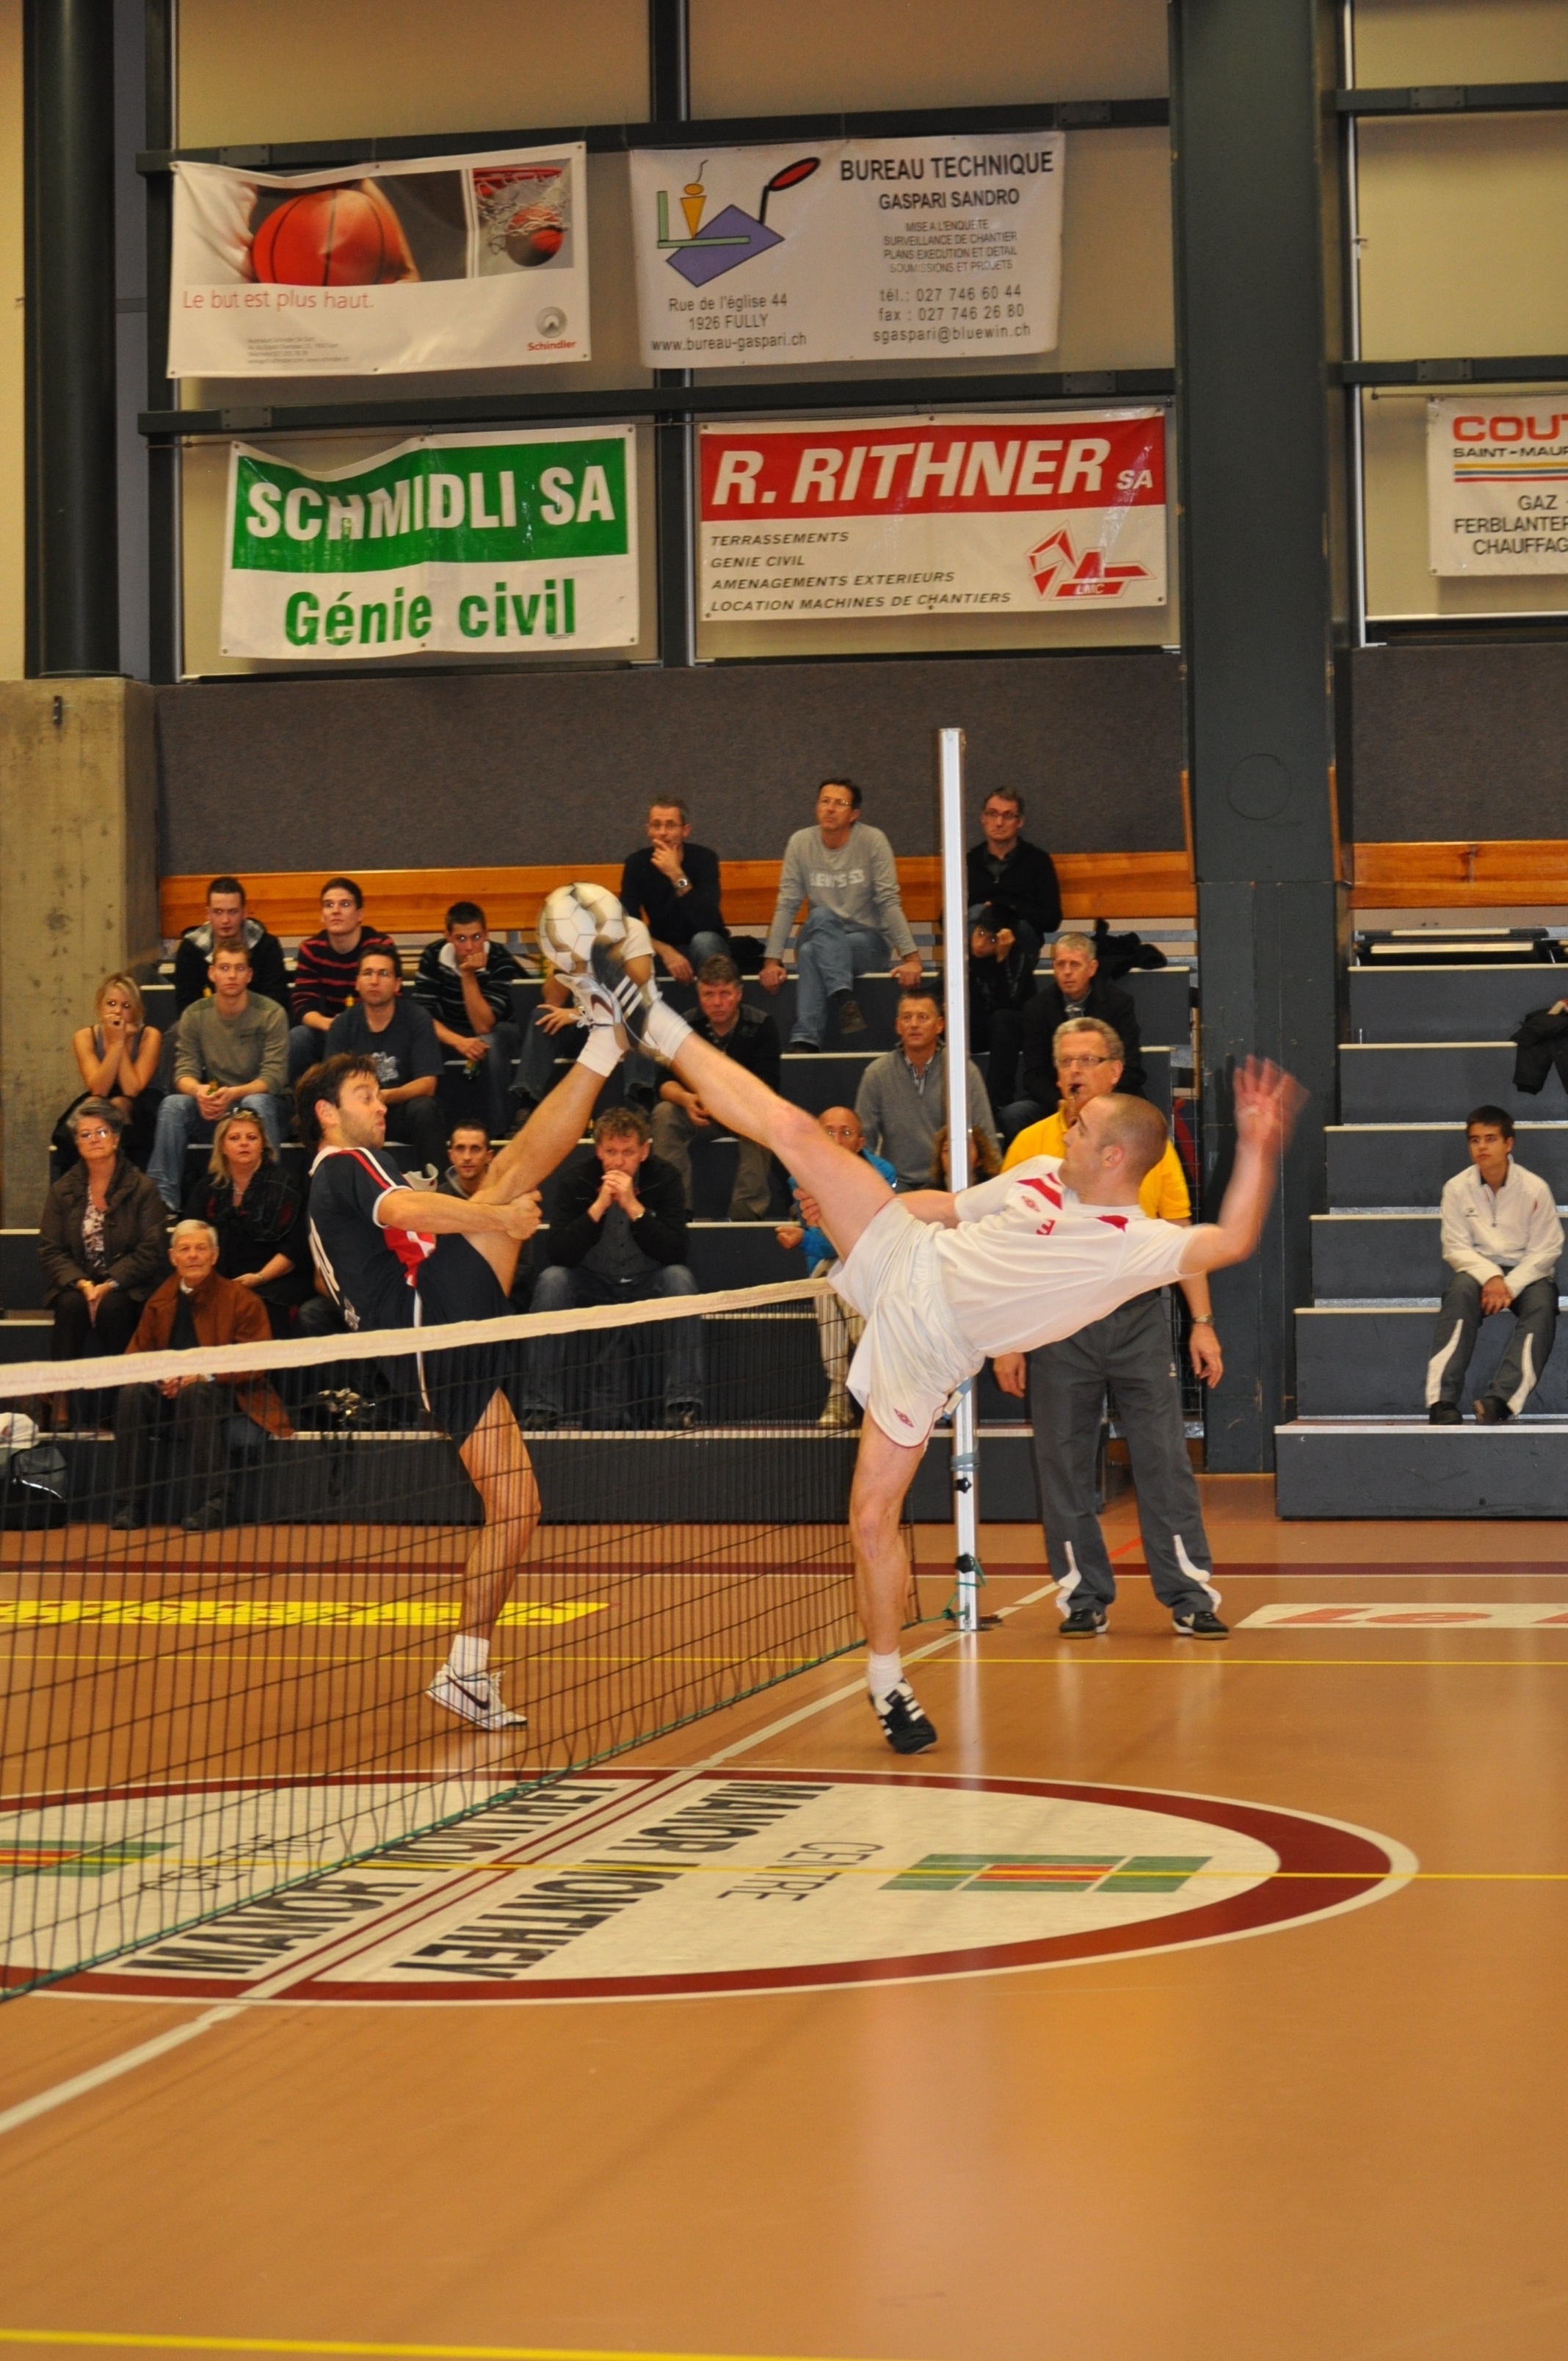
pixel 121 2338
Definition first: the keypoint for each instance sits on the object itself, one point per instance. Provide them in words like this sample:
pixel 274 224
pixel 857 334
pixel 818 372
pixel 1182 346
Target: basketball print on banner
pixel 383 267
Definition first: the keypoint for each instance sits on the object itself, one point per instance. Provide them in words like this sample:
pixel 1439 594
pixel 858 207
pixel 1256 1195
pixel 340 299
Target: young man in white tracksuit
pixel 1501 1238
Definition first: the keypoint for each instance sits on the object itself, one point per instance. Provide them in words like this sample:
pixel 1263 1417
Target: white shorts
pixel 911 1360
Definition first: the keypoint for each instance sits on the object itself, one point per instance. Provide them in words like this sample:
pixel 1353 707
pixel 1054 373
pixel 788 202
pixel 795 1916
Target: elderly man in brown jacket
pixel 193 1307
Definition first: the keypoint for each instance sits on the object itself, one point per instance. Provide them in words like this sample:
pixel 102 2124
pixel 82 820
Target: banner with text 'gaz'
pixel 1000 513
pixel 1498 483
pixel 491 545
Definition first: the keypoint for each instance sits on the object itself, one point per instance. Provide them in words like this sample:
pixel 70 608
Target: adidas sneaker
pixel 903 1725
pixel 475 1697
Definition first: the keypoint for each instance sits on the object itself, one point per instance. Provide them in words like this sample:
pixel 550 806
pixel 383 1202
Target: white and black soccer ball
pixel 572 919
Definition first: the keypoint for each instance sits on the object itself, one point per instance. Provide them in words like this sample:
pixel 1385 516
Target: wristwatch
pixel 682 885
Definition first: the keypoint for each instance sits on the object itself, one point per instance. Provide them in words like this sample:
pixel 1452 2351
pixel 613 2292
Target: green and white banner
pixel 490 545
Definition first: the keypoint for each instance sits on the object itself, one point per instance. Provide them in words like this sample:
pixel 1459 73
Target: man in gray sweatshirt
pixel 903 1099
pixel 844 872
pixel 231 1051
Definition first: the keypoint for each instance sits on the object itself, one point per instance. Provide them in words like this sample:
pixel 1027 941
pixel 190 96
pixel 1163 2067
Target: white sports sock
pixel 470 1657
pixel 665 1031
pixel 600 1053
pixel 883 1673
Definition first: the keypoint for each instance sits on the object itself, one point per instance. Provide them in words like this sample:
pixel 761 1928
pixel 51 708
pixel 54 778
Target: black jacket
pixel 1048 1009
pixel 1027 888
pixel 753 1042
pixel 135 1233
pixel 673 919
pixel 268 975
pixel 662 1232
pixel 269 1220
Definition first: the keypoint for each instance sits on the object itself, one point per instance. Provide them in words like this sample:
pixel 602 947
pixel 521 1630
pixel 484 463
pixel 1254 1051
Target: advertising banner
pixel 1013 514
pixel 848 249
pixel 1498 484
pixel 424 265
pixel 494 544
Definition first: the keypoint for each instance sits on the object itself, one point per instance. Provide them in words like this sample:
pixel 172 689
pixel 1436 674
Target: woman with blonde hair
pixel 257 1212
pixel 118 1056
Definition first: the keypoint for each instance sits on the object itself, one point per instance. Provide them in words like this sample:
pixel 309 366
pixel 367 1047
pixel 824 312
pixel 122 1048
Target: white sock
pixel 600 1053
pixel 665 1031
pixel 469 1656
pixel 883 1673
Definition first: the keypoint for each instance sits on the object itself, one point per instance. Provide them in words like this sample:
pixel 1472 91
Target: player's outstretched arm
pixel 1266 1102
pixel 440 1216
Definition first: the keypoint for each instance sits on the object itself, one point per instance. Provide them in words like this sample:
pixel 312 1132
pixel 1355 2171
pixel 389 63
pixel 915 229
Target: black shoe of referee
pixel 903 1725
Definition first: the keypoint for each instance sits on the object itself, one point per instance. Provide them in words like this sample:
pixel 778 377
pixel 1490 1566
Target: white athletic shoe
pixel 475 1697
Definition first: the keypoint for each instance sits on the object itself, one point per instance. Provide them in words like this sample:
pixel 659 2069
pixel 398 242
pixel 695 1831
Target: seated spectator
pixel 194 1307
pixel 116 1055
pixel 226 923
pixel 984 1159
pixel 1076 988
pixel 399 1037
pixel 470 1158
pixel 1015 905
pixel 844 872
pixel 839 1330
pixel 103 1239
pixel 617 1235
pixel 257 1215
pixel 463 984
pixel 673 885
pixel 1501 1238
pixel 902 1103
pixel 327 969
pixel 229 1050
pixel 682 1125
pixel 1088 1059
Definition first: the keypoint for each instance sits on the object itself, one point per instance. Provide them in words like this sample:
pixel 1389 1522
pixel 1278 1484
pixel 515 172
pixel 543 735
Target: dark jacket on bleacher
pixel 1048 1009
pixel 268 975
pixel 135 1233
pixel 671 917
pixel 660 1233
pixel 752 1041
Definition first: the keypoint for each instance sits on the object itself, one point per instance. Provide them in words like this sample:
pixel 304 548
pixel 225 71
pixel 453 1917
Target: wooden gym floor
pixel 1339 2139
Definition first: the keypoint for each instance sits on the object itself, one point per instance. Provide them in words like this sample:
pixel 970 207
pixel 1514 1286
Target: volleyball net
pixel 229 1579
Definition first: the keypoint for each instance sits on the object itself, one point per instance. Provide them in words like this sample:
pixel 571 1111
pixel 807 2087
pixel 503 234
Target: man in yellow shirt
pixel 1130 1349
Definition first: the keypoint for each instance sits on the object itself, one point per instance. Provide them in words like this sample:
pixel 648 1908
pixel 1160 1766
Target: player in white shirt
pixel 945 1282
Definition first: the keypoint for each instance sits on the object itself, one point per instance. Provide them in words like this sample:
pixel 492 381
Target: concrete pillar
pixel 78 895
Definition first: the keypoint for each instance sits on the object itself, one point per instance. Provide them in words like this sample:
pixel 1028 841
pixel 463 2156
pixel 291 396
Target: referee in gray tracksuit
pixel 1133 1351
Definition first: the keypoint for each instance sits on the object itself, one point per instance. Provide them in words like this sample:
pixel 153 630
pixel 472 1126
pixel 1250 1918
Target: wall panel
pixel 1401 42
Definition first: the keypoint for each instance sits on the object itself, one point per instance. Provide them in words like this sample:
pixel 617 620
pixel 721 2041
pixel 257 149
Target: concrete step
pixel 1376 1254
pixel 1448 1004
pixel 1403 1467
pixel 24 1336
pixel 1424 1081
pixel 1406 1164
pixel 1370 1361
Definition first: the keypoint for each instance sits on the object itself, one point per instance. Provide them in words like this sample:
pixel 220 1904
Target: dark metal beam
pixel 1512 369
pixel 1457 98
pixel 73 516
pixel 163 458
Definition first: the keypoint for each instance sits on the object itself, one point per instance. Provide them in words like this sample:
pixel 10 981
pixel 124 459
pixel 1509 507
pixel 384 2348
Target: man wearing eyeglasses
pixel 1076 988
pixel 1131 1351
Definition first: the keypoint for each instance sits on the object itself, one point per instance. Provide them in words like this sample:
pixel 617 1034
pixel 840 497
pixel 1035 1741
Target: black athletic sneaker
pixel 1199 1623
pixel 1444 1414
pixel 903 1725
pixel 1490 1411
pixel 1086 1621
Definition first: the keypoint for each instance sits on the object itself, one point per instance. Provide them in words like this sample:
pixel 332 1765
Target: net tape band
pixel 372 1344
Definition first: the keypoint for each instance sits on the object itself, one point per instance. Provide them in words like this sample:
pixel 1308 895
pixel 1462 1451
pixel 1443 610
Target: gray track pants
pixel 1525 1356
pixel 1131 1350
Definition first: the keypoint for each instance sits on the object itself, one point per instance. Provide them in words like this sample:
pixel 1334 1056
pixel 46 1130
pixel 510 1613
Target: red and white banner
pixel 1018 515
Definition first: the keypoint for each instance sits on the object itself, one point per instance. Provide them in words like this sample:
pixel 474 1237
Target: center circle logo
pixel 631 1884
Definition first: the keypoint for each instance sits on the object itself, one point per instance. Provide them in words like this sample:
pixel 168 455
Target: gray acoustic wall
pixel 1466 742
pixel 434 772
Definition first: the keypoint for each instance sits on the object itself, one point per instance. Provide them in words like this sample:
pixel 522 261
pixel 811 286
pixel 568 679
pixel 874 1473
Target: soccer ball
pixel 572 919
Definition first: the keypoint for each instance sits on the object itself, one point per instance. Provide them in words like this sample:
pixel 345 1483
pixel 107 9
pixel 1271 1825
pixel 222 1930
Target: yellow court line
pixel 371 2351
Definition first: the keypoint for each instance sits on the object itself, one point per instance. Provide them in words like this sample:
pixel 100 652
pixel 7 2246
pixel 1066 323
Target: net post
pixel 964 1608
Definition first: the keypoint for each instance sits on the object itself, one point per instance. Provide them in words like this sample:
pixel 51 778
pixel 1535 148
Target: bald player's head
pixel 1115 1141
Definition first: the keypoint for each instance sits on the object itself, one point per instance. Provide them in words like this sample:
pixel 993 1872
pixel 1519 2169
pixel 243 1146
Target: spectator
pixel 682 1125
pixel 257 1215
pixel 617 1236
pixel 400 1039
pixel 844 871
pixel 839 1330
pixel 116 1055
pixel 471 1157
pixel 1501 1238
pixel 1076 988
pixel 226 924
pixel 229 1050
pixel 464 984
pixel 1131 1351
pixel 673 885
pixel 326 967
pixel 194 1307
pixel 903 1099
pixel 102 1239
pixel 1015 905
pixel 984 1159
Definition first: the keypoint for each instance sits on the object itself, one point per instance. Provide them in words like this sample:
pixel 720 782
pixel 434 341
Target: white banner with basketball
pixel 1019 514
pixel 848 249
pixel 1498 484
pixel 428 264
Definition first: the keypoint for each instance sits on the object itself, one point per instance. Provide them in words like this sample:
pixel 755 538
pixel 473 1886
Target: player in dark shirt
pixel 393 1257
